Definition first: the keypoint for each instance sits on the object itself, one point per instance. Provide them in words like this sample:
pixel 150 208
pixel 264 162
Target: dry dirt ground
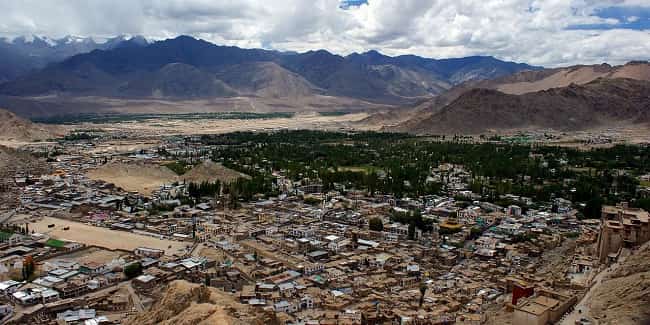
pixel 620 294
pixel 209 252
pixel 188 303
pixel 43 106
pixel 93 254
pixel 124 146
pixel 12 160
pixel 18 129
pixel 104 237
pixel 158 127
pixel 623 296
pixel 143 178
pixel 211 171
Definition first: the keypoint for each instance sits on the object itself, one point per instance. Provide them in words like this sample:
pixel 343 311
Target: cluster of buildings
pixel 315 261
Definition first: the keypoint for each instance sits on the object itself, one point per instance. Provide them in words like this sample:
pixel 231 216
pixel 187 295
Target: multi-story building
pixel 621 226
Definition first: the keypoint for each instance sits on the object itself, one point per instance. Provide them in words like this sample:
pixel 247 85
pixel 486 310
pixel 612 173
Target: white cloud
pixel 532 31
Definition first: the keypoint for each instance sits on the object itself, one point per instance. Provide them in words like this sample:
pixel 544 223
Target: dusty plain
pixel 104 237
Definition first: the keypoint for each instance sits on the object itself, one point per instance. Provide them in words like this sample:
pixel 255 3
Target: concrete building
pixel 621 226
pixel 544 307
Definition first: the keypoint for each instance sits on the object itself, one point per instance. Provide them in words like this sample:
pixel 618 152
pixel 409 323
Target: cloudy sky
pixel 542 32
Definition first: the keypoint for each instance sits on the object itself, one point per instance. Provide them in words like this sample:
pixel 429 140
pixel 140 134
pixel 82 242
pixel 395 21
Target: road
pixel 137 303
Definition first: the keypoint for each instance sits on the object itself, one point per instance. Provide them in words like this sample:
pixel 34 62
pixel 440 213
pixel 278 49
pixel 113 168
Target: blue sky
pixel 347 4
pixel 634 17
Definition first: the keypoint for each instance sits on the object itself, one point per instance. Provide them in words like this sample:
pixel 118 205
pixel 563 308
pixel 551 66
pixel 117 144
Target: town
pixel 315 227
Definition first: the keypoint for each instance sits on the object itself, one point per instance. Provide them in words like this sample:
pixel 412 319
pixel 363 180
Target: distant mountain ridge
pixel 23 55
pixel 123 71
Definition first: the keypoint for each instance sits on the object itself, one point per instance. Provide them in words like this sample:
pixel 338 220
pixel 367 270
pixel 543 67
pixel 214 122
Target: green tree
pixel 376 224
pixel 593 208
pixel 423 291
pixel 642 203
pixel 132 270
pixel 411 230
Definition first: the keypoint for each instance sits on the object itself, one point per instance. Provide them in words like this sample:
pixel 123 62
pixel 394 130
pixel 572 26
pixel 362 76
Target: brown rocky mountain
pixel 563 98
pixel 574 107
pixel 530 81
pixel 266 79
pixel 176 80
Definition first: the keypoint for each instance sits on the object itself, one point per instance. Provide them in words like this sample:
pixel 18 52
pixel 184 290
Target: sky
pixel 541 32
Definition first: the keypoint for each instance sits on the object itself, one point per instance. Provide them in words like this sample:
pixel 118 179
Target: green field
pixel 54 243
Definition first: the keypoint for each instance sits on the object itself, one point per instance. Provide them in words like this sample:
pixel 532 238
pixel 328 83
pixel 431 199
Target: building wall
pixel 519 292
pixel 610 241
pixel 521 317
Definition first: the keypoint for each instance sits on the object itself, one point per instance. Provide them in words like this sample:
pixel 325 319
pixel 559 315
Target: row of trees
pixel 400 164
pixel 205 188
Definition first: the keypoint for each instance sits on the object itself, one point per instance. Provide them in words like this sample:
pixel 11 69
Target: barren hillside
pixel 267 79
pixel 16 128
pixel 211 171
pixel 575 107
pixel 624 298
pixel 184 303
pixel 12 160
pixel 577 75
pixel 145 178
pixel 133 177
pixel 506 101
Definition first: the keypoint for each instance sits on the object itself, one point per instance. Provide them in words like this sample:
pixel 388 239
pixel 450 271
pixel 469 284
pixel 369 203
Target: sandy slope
pixel 16 128
pixel 12 160
pixel 620 294
pixel 146 178
pixel 188 303
pixel 578 75
pixel 624 295
pixel 211 171
pixel 143 178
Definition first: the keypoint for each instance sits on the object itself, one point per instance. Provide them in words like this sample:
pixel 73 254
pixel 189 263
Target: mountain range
pixel 572 98
pixel 404 93
pixel 188 68
pixel 23 55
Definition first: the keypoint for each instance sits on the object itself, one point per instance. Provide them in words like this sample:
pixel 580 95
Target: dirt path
pixel 137 303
